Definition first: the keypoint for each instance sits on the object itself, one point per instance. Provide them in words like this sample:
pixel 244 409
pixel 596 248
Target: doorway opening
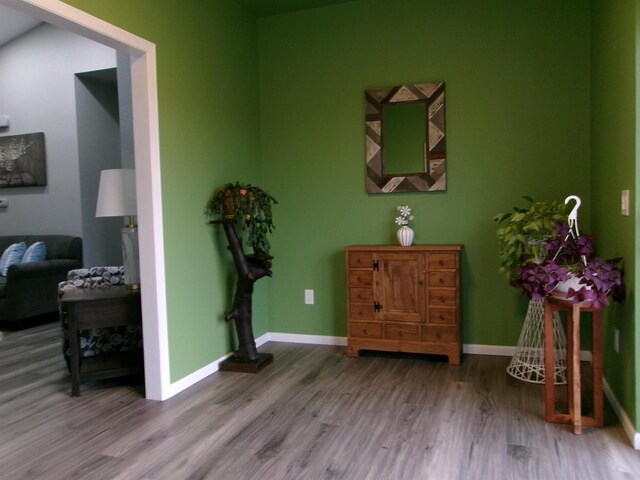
pixel 142 60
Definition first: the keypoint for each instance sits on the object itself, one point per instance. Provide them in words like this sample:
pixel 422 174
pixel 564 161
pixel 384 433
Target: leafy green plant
pixel 250 208
pixel 523 233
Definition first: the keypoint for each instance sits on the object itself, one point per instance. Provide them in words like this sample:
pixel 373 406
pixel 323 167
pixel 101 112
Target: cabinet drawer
pixel 443 315
pixel 360 260
pixel 361 312
pixel 442 279
pixel 442 297
pixel 439 334
pixel 360 295
pixel 442 260
pixel 401 332
pixel 365 330
pixel 360 278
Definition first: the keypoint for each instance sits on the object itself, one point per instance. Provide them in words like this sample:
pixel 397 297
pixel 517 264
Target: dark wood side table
pixel 574 383
pixel 99 308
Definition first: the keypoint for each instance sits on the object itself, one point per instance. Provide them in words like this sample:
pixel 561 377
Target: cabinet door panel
pixel 400 287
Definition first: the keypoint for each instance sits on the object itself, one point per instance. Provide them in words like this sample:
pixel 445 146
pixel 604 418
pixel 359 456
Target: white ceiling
pixel 13 24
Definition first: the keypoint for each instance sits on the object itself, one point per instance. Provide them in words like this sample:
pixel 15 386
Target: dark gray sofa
pixel 31 289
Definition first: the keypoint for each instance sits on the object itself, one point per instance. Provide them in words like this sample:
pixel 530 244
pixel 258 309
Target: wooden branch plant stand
pixel 250 269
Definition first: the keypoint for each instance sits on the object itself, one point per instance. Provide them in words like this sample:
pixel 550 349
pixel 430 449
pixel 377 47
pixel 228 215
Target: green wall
pixel 517 79
pixel 613 169
pixel 518 122
pixel 208 102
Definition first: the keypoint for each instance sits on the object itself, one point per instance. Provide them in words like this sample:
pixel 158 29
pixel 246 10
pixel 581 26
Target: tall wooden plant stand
pixel 575 416
pixel 250 269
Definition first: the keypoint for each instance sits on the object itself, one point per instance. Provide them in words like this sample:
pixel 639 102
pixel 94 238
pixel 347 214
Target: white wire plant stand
pixel 527 363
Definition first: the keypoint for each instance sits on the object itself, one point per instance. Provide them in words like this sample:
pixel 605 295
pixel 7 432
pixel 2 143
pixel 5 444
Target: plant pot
pixel 563 287
pixel 405 236
pixel 229 208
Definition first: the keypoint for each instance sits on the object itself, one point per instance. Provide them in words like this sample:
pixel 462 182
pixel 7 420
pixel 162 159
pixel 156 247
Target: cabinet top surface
pixel 93 294
pixel 398 248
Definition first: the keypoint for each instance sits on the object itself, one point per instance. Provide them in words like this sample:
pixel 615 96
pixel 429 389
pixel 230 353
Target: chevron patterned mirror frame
pixel 433 178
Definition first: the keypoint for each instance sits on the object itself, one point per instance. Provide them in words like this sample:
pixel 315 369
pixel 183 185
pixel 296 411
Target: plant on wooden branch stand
pixel 249 208
pixel 539 252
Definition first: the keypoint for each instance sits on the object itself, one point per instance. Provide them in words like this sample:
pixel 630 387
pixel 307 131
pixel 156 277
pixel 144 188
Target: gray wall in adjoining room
pixel 125 107
pixel 98 149
pixel 37 75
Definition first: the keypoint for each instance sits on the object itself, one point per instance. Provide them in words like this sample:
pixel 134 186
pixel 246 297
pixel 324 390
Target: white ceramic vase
pixel 405 236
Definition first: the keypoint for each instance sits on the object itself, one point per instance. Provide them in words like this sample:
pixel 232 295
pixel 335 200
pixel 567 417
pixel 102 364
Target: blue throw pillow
pixel 35 253
pixel 13 254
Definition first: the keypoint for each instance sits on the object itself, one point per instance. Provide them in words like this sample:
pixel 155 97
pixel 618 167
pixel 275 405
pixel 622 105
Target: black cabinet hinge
pixel 377 306
pixel 376 266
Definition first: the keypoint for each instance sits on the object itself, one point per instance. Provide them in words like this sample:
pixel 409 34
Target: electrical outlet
pixel 624 203
pixel 616 340
pixel 308 297
pixel 4 202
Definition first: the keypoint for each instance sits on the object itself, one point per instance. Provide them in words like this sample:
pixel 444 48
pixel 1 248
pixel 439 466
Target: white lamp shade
pixel 117 193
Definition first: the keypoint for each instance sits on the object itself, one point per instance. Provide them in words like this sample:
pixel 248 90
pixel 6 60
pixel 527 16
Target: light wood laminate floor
pixel 313 414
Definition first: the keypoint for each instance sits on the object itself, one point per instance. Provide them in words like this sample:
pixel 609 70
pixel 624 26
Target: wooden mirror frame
pixel 434 177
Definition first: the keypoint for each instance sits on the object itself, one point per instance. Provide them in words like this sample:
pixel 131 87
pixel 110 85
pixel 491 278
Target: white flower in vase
pixel 405 234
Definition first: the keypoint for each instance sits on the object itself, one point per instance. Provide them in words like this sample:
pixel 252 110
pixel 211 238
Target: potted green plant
pixel 523 233
pixel 249 207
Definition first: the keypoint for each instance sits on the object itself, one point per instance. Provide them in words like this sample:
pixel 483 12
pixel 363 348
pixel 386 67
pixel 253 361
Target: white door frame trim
pixel 147 160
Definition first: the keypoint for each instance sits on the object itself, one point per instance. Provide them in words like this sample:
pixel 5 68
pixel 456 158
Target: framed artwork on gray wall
pixel 22 161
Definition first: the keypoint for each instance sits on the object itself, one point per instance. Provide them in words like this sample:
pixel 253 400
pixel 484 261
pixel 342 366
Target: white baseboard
pixel 500 350
pixel 262 339
pixel 309 339
pixel 506 351
pixel 627 424
pixel 202 373
pixel 195 377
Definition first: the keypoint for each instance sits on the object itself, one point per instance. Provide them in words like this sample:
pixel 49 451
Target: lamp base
pixel 130 257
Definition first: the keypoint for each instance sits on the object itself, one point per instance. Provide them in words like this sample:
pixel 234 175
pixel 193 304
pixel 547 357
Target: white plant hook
pixel 573 224
pixel 573 216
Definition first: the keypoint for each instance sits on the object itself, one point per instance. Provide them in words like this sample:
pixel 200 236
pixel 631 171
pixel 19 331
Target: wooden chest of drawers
pixel 405 299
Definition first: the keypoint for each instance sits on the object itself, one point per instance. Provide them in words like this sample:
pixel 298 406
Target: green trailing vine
pixel 249 207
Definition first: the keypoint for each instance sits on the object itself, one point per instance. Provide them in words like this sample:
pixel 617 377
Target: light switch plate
pixel 624 203
pixel 308 297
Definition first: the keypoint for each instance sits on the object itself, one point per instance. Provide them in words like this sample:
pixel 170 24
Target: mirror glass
pixel 406 138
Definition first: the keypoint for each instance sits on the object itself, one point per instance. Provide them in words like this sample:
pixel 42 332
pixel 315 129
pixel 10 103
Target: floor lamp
pixel 117 198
